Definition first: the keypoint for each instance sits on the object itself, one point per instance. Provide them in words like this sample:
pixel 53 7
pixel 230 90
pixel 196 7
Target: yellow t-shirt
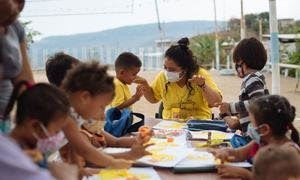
pixel 177 101
pixel 122 93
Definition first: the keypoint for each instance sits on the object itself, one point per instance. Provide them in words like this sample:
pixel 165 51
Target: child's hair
pixel 40 101
pixel 252 52
pixel 276 163
pixel 91 77
pixel 127 60
pixel 57 67
pixel 277 112
pixel 184 58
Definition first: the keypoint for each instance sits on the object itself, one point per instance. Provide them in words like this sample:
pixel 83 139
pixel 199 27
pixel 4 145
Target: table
pixel 167 174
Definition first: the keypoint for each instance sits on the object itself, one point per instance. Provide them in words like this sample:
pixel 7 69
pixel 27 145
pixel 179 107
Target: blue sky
pixel 138 12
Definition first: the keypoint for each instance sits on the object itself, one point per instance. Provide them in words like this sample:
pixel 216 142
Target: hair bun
pixel 292 113
pixel 184 41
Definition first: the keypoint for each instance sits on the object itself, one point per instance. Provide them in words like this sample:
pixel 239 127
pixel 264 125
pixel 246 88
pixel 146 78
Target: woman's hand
pixel 198 80
pixel 226 171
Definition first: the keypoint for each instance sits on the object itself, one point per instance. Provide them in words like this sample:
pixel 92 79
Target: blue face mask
pixel 252 132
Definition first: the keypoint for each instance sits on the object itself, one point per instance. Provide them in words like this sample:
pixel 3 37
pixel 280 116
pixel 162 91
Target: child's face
pixel 263 129
pixel 94 106
pixel 129 75
pixel 54 127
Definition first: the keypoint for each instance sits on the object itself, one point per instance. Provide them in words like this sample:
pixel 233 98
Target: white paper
pixel 140 173
pixel 169 125
pixel 203 135
pixel 205 159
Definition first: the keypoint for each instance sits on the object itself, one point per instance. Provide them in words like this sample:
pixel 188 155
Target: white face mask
pixel 172 76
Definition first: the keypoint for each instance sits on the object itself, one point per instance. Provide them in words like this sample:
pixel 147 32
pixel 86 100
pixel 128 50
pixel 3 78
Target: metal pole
pixel 159 27
pixel 243 26
pixel 216 39
pixel 274 48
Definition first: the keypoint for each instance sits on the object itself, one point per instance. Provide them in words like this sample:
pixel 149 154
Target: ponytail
pixel 14 96
pixel 295 134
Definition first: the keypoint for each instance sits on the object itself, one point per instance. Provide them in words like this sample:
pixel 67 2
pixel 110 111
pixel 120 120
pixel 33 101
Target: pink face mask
pixel 50 144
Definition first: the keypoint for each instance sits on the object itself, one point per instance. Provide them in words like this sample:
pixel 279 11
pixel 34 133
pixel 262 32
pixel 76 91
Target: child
pixel 249 57
pixel 90 89
pixel 127 66
pixel 276 163
pixel 271 118
pixel 41 114
pixel 62 63
pixel 57 67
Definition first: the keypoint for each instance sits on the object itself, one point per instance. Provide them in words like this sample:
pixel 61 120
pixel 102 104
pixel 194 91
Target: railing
pixel 151 57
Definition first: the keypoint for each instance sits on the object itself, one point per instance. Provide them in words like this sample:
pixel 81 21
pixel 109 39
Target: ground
pixel 229 86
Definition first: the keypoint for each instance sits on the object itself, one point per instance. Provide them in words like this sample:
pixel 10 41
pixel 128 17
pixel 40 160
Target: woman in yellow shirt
pixel 185 89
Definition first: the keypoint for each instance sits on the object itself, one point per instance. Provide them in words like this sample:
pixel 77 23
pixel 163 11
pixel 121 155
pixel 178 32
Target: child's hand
pixel 62 171
pixel 226 171
pixel 89 171
pixel 139 93
pixel 121 164
pixel 224 154
pixel 145 134
pixel 139 150
pixel 224 108
pixel 140 80
pixel 199 80
pixel 98 141
pixel 232 121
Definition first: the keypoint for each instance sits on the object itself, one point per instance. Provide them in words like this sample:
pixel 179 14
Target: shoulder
pixel 160 77
pixel 19 29
pixel 203 72
pixel 253 79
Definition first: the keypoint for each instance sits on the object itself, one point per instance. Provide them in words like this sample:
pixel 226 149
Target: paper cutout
pixel 169 125
pixel 126 174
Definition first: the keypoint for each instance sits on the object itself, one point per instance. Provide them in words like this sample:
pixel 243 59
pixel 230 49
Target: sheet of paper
pixel 205 159
pixel 124 174
pixel 164 157
pixel 169 125
pixel 203 135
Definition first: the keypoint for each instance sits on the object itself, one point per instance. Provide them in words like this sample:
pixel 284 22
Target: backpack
pixel 119 122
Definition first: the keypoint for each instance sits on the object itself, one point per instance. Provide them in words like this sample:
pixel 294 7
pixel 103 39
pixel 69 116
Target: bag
pixel 118 123
pixel 239 141
pixel 198 125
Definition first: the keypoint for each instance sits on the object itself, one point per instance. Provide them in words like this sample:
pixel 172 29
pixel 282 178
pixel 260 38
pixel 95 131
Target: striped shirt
pixel 253 86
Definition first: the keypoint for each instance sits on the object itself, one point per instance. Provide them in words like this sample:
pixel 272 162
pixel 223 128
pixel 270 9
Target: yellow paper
pixel 116 174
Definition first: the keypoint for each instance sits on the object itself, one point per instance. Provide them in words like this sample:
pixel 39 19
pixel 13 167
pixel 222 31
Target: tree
pixel 30 33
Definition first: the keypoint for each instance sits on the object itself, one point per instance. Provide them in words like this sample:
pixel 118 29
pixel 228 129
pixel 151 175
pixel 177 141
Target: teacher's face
pixel 171 66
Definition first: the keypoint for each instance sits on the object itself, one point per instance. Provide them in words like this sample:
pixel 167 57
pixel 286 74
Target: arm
pixel 136 97
pixel 87 151
pixel 119 142
pixel 211 95
pixel 233 155
pixel 26 73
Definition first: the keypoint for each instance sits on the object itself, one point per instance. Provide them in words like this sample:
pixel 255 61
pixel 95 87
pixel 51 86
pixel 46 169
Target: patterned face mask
pixel 50 144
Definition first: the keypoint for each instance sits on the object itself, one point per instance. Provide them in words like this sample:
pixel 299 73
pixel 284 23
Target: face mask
pixel 252 132
pixel 172 76
pixel 50 144
pixel 239 70
pixel 5 126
